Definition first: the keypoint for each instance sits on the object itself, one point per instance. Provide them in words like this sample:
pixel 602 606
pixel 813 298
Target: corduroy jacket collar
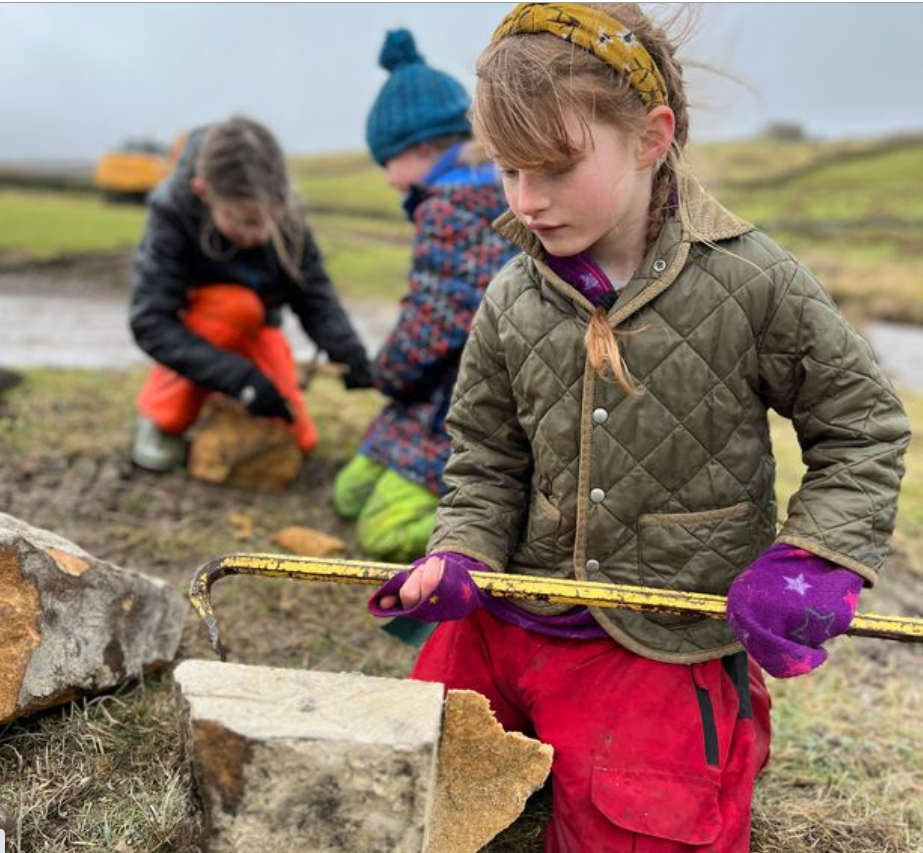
pixel 702 219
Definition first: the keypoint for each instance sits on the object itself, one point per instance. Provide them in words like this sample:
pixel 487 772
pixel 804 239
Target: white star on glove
pixel 797 584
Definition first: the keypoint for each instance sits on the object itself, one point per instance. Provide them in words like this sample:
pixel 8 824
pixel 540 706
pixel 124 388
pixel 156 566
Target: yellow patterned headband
pixel 596 32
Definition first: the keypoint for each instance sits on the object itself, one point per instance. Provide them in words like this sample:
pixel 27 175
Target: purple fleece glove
pixel 455 597
pixel 787 604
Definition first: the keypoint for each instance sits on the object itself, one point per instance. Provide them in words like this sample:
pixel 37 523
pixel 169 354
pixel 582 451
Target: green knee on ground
pixel 394 515
pixel 354 485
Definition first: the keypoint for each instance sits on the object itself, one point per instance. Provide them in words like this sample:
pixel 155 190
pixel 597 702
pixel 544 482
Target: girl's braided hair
pixel 240 159
pixel 527 87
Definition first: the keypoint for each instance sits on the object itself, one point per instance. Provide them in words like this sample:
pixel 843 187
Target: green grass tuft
pixel 46 225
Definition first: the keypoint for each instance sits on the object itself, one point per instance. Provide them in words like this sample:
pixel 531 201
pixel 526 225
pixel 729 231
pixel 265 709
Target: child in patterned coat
pixel 418 131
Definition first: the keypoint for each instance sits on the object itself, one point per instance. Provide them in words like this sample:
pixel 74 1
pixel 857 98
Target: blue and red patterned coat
pixel 456 253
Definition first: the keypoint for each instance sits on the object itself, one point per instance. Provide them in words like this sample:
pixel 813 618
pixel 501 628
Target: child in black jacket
pixel 225 248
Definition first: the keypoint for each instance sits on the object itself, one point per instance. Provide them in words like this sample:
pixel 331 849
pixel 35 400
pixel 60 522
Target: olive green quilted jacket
pixel 556 472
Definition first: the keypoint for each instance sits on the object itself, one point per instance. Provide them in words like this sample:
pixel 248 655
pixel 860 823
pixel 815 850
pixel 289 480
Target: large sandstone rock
pixel 484 776
pixel 72 624
pixel 234 448
pixel 287 761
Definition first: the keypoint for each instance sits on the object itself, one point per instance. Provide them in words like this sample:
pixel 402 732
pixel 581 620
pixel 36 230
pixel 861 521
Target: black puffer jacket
pixel 170 261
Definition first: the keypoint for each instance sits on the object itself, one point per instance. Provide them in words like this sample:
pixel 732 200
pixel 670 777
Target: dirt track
pixel 71 312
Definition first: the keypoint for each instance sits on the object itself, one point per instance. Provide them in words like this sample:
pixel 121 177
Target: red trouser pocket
pixel 649 757
pixel 658 805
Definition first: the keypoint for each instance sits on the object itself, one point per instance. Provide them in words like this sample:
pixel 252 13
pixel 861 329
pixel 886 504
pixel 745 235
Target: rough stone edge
pixel 461 706
pixel 22 598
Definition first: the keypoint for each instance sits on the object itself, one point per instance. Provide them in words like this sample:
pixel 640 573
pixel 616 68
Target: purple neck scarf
pixel 586 277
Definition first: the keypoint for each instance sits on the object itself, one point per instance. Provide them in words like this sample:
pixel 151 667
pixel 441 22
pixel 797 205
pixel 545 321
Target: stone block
pixel 287 761
pixel 71 624
pixel 233 448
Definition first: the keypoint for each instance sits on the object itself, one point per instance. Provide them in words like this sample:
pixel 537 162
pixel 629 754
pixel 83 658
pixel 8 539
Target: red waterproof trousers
pixel 229 317
pixel 649 757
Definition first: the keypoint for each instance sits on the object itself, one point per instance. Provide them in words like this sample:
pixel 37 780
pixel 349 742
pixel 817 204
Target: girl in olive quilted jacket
pixel 610 424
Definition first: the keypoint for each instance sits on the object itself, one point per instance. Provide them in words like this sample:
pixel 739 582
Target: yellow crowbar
pixel 518 587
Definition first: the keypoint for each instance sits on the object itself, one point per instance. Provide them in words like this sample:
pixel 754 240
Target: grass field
pixel 855 216
pixel 887 187
pixel 852 210
pixel 47 224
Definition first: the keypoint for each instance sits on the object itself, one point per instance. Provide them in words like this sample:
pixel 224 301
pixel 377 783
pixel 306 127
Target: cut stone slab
pixel 287 761
pixel 485 775
pixel 71 624
pixel 234 448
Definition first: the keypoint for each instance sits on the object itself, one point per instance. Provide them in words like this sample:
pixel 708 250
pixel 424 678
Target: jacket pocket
pixel 538 549
pixel 695 551
pixel 658 805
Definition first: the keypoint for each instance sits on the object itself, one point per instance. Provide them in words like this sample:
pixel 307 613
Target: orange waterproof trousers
pixel 230 317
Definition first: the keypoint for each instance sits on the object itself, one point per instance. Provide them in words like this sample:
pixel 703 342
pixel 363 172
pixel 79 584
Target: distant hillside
pixel 881 186
pixel 758 163
pixel 346 184
pixel 852 210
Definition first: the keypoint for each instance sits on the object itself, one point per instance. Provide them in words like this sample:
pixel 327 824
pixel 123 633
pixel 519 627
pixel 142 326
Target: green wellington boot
pixel 155 450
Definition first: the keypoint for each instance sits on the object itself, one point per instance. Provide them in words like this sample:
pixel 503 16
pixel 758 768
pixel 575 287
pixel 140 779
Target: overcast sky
pixel 77 78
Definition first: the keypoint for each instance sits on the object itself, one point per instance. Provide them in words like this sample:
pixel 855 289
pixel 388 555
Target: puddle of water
pixel 63 331
pixel 92 332
pixel 899 349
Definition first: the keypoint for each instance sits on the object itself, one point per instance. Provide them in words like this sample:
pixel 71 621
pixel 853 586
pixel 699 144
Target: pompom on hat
pixel 416 104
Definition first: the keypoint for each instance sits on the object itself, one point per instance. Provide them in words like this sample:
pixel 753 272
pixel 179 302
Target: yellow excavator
pixel 132 170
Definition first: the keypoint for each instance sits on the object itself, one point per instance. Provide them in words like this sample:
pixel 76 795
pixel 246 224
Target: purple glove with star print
pixel 787 604
pixel 454 596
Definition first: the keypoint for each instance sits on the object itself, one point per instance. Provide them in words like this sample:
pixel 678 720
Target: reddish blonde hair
pixel 529 85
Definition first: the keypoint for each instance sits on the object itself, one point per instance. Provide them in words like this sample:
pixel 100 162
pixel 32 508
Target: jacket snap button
pixel 596 495
pixel 592 566
pixel 660 265
pixel 600 416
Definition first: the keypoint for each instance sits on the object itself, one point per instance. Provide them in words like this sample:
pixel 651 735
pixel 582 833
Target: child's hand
pixel 787 604
pixel 420 584
pixel 358 375
pixel 439 588
pixel 261 398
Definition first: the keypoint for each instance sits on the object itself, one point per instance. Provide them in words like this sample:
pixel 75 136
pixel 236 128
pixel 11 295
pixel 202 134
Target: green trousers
pixel 394 516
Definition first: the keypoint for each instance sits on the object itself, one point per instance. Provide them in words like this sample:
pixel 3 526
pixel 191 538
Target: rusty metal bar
pixel 516 587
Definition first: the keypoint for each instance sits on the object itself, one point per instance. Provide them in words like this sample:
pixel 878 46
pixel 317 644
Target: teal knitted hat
pixel 416 103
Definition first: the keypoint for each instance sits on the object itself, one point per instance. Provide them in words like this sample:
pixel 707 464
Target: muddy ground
pixel 842 780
